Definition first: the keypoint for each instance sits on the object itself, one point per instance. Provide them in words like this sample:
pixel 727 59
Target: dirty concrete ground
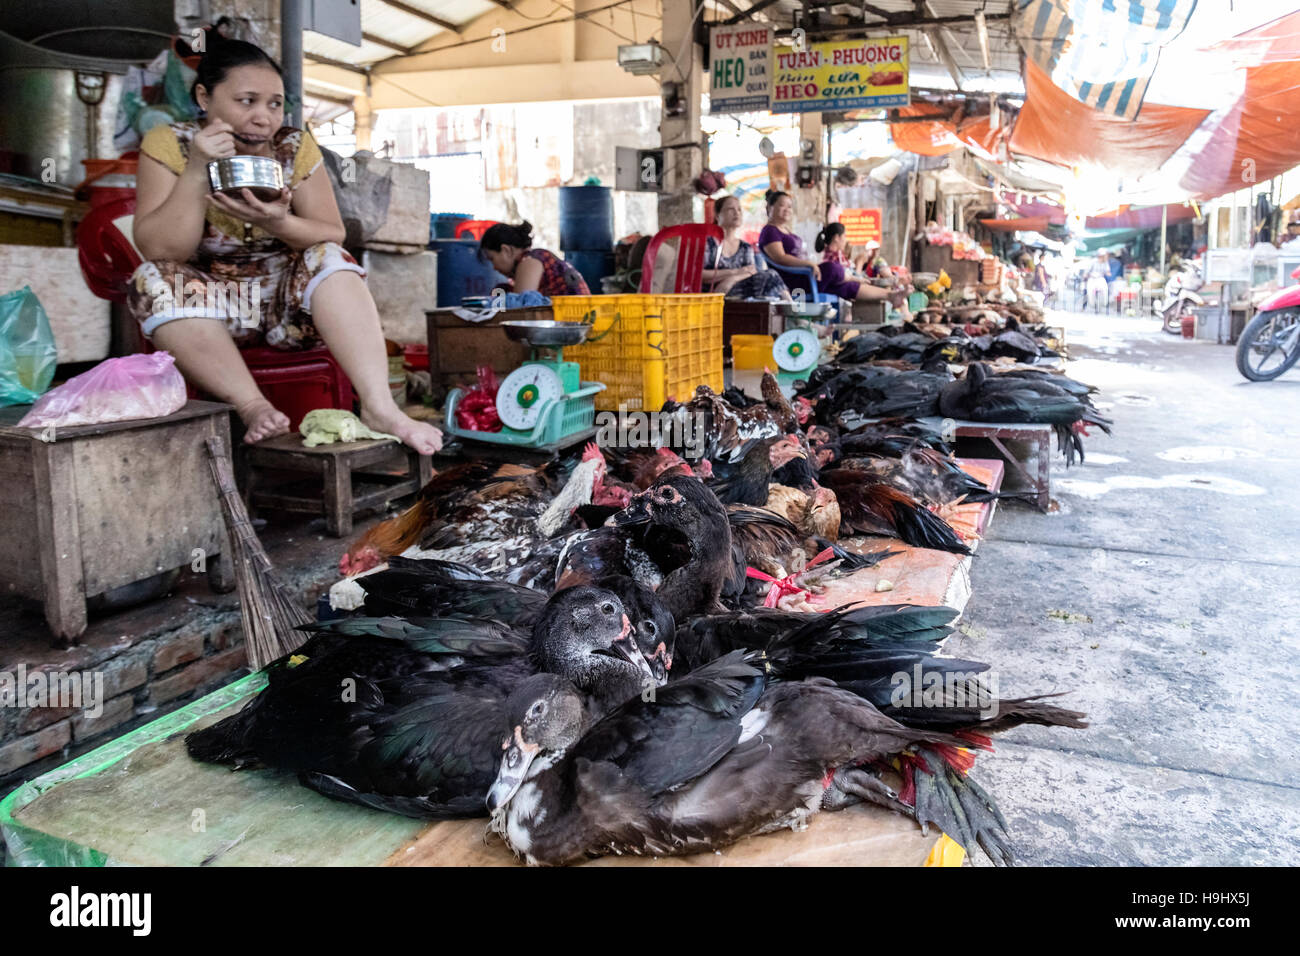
pixel 1174 558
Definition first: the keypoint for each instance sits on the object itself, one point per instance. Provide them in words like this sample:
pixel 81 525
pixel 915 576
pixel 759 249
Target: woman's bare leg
pixel 345 315
pixel 207 357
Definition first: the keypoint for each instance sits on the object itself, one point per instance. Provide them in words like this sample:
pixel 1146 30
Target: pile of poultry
pixel 609 654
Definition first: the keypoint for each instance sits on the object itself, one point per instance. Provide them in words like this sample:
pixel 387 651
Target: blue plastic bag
pixel 27 352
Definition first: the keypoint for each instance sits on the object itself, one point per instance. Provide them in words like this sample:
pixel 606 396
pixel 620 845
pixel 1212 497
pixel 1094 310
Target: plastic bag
pixel 477 411
pixel 27 352
pixel 115 390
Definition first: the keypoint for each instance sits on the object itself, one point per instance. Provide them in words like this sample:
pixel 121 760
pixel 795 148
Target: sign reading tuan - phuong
pixel 841 75
pixel 740 64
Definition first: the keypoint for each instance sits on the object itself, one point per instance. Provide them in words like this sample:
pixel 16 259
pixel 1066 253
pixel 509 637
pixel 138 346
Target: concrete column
pixel 678 204
pixel 809 203
pixel 365 119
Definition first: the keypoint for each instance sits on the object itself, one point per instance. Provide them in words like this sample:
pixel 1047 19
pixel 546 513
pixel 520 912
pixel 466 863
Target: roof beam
pixel 326 61
pixel 387 44
pixel 421 15
pixel 761 5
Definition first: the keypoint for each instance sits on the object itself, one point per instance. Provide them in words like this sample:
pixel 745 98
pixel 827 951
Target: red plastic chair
pixel 474 228
pixel 294 382
pixel 106 256
pixel 690 255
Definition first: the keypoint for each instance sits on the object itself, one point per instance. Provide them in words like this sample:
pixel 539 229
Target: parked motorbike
pixel 1270 342
pixel 1180 297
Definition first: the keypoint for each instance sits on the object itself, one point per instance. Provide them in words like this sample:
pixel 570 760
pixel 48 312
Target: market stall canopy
pixel 1055 126
pixel 1216 115
pixel 935 137
pixel 1022 224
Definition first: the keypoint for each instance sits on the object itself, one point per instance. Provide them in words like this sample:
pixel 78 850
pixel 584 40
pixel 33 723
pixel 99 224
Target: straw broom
pixel 269 612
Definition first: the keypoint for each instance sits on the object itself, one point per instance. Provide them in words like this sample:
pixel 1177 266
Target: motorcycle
pixel 1180 297
pixel 1270 342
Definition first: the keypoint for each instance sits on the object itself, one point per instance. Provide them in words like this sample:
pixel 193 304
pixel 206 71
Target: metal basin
pixel 260 175
pixel 806 310
pixel 544 332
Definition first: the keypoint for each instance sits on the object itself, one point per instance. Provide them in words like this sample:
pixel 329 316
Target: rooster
pixel 870 506
pixel 728 430
pixel 747 482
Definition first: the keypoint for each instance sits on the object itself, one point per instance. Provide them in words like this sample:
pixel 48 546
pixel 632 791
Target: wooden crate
pixel 102 506
pixel 457 347
pixel 748 318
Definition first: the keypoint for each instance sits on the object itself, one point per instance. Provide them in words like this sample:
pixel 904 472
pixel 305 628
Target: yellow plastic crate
pixel 646 348
pixel 752 352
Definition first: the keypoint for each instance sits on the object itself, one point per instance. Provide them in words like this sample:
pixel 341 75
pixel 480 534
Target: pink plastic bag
pixel 115 390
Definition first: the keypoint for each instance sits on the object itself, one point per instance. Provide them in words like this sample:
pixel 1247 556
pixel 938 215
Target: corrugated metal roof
pixel 389 28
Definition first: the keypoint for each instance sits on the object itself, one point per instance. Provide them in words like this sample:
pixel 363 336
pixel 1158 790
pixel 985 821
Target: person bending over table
pixel 308 288
pixel 731 266
pixel 510 250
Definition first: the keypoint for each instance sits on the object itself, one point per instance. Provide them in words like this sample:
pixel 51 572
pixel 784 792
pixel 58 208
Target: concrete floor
pixel 1176 543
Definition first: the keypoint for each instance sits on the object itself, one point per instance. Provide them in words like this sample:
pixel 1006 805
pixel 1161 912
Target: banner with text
pixel 861 225
pixel 740 68
pixel 841 75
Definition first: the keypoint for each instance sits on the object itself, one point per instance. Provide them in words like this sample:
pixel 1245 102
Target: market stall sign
pixel 740 68
pixel 861 225
pixel 841 75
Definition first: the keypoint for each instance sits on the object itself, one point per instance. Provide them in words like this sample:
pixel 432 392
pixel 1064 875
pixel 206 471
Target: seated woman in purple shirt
pixel 782 247
pixel 831 242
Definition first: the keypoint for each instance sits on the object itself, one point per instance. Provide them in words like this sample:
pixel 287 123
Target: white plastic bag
pixel 115 390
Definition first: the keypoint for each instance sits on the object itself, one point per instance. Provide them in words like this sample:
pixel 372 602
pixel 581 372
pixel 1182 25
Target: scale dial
pixel 796 350
pixel 525 393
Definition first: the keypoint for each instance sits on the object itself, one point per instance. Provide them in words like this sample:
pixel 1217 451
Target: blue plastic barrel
pixel 442 225
pixel 594 266
pixel 586 218
pixel 460 272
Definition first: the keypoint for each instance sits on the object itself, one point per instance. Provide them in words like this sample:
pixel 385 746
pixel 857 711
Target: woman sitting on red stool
pixel 293 285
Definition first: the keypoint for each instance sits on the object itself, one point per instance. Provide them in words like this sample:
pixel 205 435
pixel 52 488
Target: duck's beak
pixel 514 768
pixel 660 663
pixel 636 512
pixel 626 646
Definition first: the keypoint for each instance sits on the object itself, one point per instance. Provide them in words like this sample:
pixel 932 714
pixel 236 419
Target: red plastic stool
pixel 297 382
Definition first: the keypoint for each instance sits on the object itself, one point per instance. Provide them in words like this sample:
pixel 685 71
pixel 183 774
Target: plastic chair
pixel 294 382
pixel 801 277
pixel 690 255
pixel 474 228
pixel 106 255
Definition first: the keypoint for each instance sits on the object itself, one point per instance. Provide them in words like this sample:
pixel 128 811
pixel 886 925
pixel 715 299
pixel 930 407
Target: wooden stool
pixel 337 465
pixel 87 509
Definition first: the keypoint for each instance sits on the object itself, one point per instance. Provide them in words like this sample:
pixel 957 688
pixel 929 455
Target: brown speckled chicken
pixel 817 513
pixel 728 431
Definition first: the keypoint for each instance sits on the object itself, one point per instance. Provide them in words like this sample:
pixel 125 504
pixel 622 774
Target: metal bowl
pixel 546 332
pixel 806 310
pixel 260 175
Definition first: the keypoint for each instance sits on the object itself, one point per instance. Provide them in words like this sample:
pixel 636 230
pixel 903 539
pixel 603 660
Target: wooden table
pixel 458 347
pixel 353 477
pixel 90 508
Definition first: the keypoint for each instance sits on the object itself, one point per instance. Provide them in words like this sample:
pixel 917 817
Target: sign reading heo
pixel 740 68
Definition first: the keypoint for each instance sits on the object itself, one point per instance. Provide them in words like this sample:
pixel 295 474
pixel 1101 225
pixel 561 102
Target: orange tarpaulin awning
pixel 1024 224
pixel 936 138
pixel 1259 138
pixel 1056 127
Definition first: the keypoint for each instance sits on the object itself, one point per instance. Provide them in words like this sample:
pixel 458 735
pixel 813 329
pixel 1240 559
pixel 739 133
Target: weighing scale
pixel 538 401
pixel 796 350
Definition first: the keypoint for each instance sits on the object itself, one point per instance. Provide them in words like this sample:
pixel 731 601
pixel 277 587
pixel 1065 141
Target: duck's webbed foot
pixel 850 785
pixel 962 809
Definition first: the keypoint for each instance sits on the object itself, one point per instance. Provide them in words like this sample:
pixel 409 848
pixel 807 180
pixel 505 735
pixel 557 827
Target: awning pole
pixel 1164 224
pixel 291 57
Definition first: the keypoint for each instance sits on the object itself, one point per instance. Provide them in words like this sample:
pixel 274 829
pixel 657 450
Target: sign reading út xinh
pixel 740 68
pixel 841 75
